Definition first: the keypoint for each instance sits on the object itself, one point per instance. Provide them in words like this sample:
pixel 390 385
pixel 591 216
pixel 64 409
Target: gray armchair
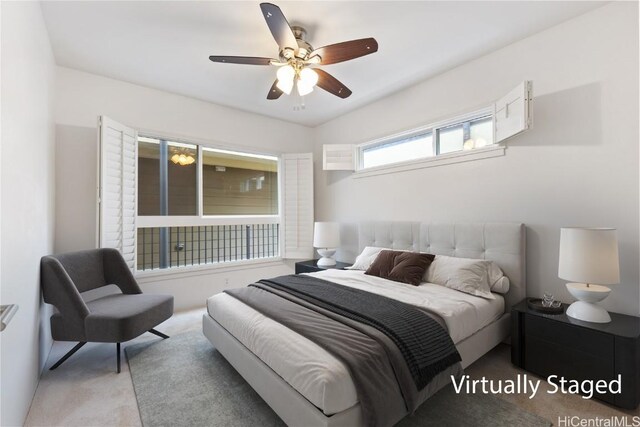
pixel 113 318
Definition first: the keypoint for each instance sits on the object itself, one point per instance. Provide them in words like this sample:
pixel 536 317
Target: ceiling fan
pixel 297 57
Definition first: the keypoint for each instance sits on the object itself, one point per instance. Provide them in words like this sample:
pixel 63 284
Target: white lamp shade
pixel 286 75
pixel 326 235
pixel 589 255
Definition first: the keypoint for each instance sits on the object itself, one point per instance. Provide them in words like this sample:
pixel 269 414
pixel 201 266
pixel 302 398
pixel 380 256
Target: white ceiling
pixel 165 45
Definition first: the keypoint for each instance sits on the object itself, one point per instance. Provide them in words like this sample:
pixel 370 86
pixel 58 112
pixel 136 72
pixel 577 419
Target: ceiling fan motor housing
pixel 304 48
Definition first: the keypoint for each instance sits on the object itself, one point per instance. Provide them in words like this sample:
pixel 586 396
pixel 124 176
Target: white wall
pixel 27 193
pixel 82 97
pixel 578 166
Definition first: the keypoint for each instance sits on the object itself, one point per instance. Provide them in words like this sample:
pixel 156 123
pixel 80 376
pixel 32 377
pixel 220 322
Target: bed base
pixel 290 405
pixel 477 345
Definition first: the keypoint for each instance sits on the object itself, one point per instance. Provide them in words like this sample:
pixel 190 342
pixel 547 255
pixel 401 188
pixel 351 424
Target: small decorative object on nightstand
pixel 326 238
pixel 588 256
pixel 560 345
pixel 311 266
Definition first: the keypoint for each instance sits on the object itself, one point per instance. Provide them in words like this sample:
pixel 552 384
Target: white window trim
pixel 437 159
pixel 297 206
pixel 151 276
pixel 207 143
pixel 493 150
pixel 193 220
pixel 116 224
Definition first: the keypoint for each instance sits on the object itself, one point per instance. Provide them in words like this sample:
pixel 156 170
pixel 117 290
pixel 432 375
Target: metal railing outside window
pixel 206 244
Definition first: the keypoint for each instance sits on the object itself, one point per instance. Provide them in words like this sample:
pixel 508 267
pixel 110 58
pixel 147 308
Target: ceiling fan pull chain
pixel 302 105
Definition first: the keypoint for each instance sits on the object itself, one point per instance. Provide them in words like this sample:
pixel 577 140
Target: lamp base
pixel 327 259
pixel 588 312
pixel 586 309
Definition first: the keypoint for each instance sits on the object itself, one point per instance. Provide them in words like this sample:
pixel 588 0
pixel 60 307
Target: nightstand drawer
pixel 580 339
pixel 559 345
pixel 547 358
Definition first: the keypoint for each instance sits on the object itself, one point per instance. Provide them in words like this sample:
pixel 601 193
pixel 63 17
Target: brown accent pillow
pixel 399 266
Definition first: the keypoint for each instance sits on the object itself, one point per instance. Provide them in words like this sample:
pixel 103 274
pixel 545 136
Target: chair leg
pixel 160 334
pixel 68 355
pixel 118 354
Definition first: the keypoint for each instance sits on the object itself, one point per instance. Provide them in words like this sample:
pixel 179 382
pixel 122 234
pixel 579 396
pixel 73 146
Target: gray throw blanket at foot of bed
pixel 392 349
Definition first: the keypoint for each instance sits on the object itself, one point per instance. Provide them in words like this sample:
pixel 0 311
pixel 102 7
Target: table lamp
pixel 326 238
pixel 589 256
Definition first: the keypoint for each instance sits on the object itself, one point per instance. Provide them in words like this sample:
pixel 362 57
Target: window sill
pixel 204 221
pixel 150 276
pixel 430 162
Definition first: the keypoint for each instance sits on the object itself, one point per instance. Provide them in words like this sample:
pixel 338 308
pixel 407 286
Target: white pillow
pixel 498 282
pixel 501 285
pixel 462 274
pixel 366 258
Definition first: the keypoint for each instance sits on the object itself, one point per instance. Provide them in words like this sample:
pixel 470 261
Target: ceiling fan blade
pixel 279 26
pixel 345 51
pixel 332 85
pixel 274 92
pixel 247 60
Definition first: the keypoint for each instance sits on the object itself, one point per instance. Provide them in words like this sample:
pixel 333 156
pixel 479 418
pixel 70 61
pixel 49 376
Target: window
pixel 239 184
pixel 188 196
pixel 167 177
pixel 450 138
pixel 445 142
pixel 164 203
pixel 399 150
pixel 475 131
pixel 467 135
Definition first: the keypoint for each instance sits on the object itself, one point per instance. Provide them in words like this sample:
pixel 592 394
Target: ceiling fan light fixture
pixel 304 89
pixel 308 77
pixel 286 76
pixel 285 86
pixel 315 59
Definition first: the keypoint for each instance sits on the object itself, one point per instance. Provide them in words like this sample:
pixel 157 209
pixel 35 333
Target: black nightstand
pixel 311 266
pixel 547 344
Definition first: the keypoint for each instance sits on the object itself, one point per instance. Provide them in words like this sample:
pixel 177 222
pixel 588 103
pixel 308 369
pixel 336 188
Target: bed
pixel 306 385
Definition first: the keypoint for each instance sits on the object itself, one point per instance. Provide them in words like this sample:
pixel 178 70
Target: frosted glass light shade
pixel 306 81
pixel 326 235
pixel 286 76
pixel 303 89
pixel 589 255
pixel 308 77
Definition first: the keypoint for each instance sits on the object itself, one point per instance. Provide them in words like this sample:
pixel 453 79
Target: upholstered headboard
pixel 501 242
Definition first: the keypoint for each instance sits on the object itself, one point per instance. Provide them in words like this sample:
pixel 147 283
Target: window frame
pixel 151 221
pixel 491 150
pixel 200 218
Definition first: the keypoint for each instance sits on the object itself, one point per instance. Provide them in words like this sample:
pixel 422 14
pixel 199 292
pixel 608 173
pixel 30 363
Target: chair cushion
pixel 121 317
pixel 85 268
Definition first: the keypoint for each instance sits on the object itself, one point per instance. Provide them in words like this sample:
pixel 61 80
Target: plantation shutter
pixel 513 113
pixel 297 205
pixel 338 157
pixel 117 189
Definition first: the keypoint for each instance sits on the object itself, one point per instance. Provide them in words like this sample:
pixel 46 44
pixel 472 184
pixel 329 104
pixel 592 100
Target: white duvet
pixel 311 370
